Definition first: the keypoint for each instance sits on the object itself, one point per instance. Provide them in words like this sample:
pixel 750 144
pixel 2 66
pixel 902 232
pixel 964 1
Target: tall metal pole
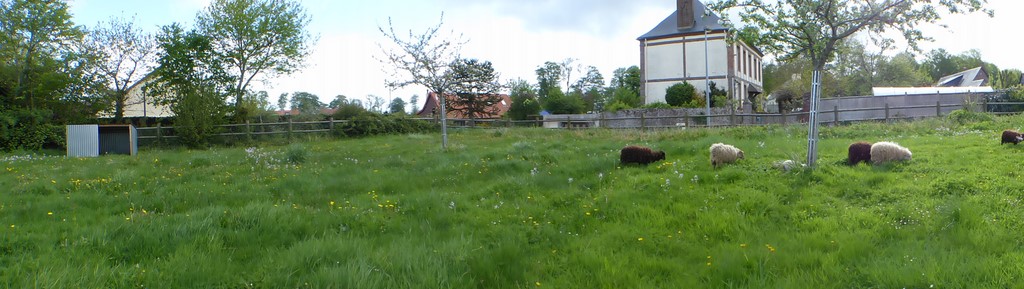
pixel 707 80
pixel 444 121
pixel 812 130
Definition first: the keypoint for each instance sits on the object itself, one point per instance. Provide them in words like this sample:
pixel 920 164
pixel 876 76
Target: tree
pixel 282 101
pixel 901 70
pixel 256 38
pixel 814 29
pixel 425 60
pixel 548 77
pixel 559 103
pixel 414 103
pixel 569 67
pixel 628 78
pixel 34 33
pixel 397 106
pixel 524 100
pixel 375 103
pixel 591 80
pixel 190 79
pixel 680 94
pixel 476 88
pixel 126 53
pixel 337 101
pixel 306 103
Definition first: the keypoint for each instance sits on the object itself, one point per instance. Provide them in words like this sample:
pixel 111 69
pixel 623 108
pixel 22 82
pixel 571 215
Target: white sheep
pixel 724 154
pixel 882 152
pixel 787 165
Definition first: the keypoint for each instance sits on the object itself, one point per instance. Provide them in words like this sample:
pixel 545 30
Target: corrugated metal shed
pixel 92 140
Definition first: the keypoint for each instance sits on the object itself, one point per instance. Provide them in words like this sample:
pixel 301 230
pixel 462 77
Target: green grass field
pixel 525 208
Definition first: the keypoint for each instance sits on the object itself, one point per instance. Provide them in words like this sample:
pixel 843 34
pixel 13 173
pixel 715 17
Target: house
pixel 140 105
pixel 496 111
pixel 674 52
pixel 968 78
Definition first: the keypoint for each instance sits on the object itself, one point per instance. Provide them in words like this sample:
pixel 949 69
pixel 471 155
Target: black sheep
pixel 640 155
pixel 1011 136
pixel 859 152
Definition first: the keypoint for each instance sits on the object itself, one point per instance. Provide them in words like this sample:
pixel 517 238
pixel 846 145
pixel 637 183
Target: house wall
pixel 677 59
pixel 140 105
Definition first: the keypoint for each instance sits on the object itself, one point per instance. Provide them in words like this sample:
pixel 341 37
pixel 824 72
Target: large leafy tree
pixel 126 54
pixel 815 28
pixel 476 88
pixel 35 36
pixel 191 80
pixel 549 76
pixel 524 100
pixel 423 59
pixel 306 103
pixel 256 38
pixel 628 78
pixel 397 106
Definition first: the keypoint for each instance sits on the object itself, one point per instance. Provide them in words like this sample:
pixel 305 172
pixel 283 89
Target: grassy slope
pixel 525 208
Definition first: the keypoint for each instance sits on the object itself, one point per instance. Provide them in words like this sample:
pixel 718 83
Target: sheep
pixel 640 155
pixel 724 154
pixel 882 152
pixel 787 165
pixel 859 152
pixel 1011 136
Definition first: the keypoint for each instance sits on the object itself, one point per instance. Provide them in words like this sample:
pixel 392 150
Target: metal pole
pixel 812 131
pixel 707 80
pixel 444 121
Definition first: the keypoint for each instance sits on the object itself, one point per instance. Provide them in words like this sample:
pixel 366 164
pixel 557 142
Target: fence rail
pixel 834 116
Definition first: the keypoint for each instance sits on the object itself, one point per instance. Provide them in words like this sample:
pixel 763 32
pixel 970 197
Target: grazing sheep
pixel 724 154
pixel 1011 136
pixel 882 152
pixel 640 155
pixel 859 152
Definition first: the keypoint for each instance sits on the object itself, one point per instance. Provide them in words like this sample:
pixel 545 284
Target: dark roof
pixel 968 78
pixel 670 27
pixel 431 105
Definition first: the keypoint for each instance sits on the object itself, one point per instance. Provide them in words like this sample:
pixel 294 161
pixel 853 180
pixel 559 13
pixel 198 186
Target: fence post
pixel 289 128
pixel 835 115
pixel 643 120
pixel 686 118
pixel 248 131
pixel 568 121
pixel 886 112
pixel 330 123
pixel 783 113
pixel 938 108
pixel 600 119
pixel 732 117
pixel 159 134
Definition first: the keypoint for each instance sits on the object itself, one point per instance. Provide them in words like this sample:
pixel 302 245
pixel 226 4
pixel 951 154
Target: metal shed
pixel 90 140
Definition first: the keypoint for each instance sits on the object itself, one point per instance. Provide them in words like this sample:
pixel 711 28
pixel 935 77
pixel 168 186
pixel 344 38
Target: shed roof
pixel 967 78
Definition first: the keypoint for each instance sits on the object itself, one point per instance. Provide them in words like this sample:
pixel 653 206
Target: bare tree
pixel 126 55
pixel 423 59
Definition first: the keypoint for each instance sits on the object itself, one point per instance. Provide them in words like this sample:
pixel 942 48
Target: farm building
pixel 140 105
pixel 674 52
pixel 495 111
pixel 968 78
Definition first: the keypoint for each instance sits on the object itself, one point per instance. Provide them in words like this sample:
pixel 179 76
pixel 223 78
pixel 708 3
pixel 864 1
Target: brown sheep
pixel 859 152
pixel 640 155
pixel 1011 136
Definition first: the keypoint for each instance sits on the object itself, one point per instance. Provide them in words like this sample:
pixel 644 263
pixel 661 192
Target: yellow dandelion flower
pixel 640 239
pixel 744 245
pixel 538 283
pixel 709 263
pixel 588 213
pixel 332 203
pixel 49 213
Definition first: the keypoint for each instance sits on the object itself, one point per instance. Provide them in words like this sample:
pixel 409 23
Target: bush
pixel 963 116
pixel 680 94
pixel 616 106
pixel 370 124
pixel 29 130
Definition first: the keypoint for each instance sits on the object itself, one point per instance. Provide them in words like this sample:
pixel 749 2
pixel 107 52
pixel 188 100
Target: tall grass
pixel 525 208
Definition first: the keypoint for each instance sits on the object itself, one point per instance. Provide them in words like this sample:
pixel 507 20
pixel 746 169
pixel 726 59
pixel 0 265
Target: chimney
pixel 684 14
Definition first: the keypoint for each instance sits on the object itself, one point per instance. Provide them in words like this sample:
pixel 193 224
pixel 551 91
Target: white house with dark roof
pixel 673 52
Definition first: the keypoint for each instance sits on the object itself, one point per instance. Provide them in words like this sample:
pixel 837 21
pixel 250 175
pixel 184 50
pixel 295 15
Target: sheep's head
pixel 659 155
pixel 740 154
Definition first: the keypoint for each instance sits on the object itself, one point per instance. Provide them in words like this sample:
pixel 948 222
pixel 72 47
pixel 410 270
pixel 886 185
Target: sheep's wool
pixel 882 152
pixel 724 154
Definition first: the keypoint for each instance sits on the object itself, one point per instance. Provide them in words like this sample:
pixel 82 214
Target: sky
pixel 516 36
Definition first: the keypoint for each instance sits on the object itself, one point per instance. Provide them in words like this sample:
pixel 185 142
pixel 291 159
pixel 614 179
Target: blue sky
pixel 516 36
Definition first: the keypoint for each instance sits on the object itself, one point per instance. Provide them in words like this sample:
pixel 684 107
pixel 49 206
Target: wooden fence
pixel 835 115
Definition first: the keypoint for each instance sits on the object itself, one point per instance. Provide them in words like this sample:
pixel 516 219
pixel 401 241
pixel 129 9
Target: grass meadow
pixel 525 208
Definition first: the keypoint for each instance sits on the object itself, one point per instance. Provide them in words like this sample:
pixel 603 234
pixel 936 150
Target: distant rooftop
pixel 968 78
